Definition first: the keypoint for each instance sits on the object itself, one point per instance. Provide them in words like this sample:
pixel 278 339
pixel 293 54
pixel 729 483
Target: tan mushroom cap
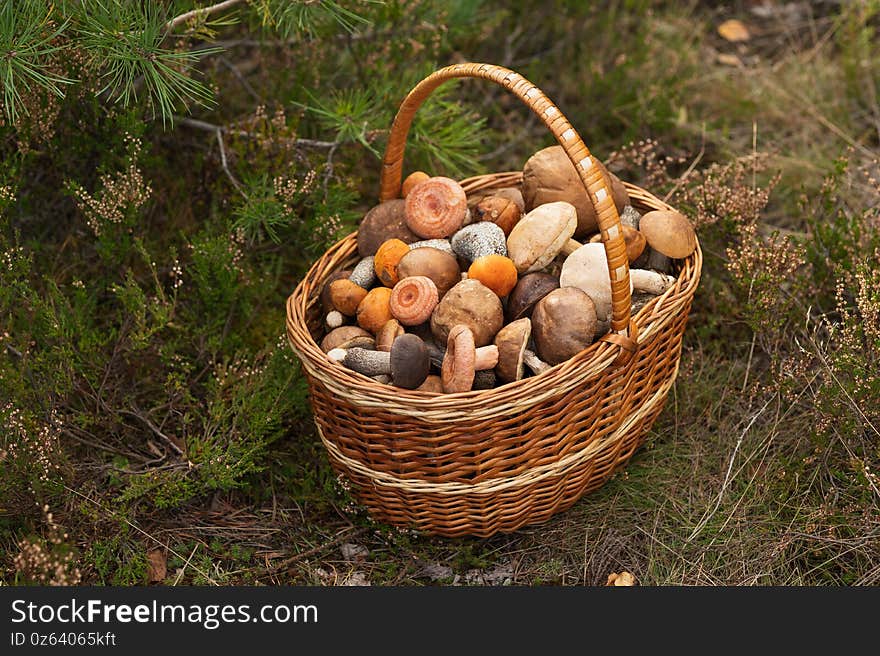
pixel 346 337
pixel 587 269
pixel 438 265
pixel 668 232
pixel 634 240
pixel 387 334
pixel 550 176
pixel 512 341
pixel 470 303
pixel 346 295
pixel 540 235
pixel 563 324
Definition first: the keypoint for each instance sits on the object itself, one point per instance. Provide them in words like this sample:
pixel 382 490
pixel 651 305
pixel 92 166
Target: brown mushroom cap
pixel 383 222
pixel 541 235
pixel 409 362
pixel 497 272
pixel 432 384
pixel 563 324
pixel 411 181
pixel 530 289
pixel 458 370
pixel 347 337
pixel 470 303
pixel 435 207
pixel 439 266
pixel 549 176
pixel 346 296
pixel 387 257
pixel 501 211
pixel 326 301
pixel 387 334
pixel 634 240
pixel 375 310
pixel 668 232
pixel 413 299
pixel 511 342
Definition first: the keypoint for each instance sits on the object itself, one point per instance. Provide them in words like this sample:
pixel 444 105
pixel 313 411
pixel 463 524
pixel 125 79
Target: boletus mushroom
pixel 407 362
pixel 433 263
pixel 346 295
pixel 470 303
pixel 541 235
pixel 435 207
pixel 634 240
pixel 411 181
pixel 383 222
pixel 549 176
pixel 587 269
pixel 387 334
pixel 347 337
pixel 563 324
pixel 501 211
pixel 413 299
pixel 668 232
pixel 530 289
pixel 479 239
pixel 512 341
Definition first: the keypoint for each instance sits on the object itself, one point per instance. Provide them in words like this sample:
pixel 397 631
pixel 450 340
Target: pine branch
pixel 200 13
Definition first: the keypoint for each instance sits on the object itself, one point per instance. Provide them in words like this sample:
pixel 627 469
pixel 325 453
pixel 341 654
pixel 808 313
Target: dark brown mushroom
pixel 407 362
pixel 383 222
pixel 530 289
pixel 470 303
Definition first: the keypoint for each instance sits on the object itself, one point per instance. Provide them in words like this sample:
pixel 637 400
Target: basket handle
pixel 623 330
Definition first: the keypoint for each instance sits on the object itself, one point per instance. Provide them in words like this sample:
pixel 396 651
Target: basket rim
pixel 593 360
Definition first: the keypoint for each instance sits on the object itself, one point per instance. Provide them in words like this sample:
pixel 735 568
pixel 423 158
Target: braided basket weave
pixel 489 461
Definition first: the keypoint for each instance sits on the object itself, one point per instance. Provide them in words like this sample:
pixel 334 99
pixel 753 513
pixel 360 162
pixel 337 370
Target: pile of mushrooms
pixel 453 293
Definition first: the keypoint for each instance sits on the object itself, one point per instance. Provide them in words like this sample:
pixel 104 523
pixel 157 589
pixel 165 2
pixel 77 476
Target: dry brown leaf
pixel 157 566
pixel 734 30
pixel 729 60
pixel 622 579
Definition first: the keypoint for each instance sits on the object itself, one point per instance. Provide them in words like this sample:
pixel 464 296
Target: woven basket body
pixel 483 462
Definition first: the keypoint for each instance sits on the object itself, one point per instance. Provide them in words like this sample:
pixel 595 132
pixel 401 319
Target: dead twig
pixel 201 11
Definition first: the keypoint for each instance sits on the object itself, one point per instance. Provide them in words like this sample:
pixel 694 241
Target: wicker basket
pixel 482 462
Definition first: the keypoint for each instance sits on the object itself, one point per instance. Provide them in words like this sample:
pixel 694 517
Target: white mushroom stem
pixel 334 319
pixel 485 357
pixel 570 247
pixel 652 282
pixel 533 362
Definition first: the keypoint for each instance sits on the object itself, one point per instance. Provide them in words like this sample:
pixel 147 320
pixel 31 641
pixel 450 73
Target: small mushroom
pixel 479 239
pixel 347 337
pixel 668 232
pixel 501 211
pixel 432 384
pixel 563 324
pixel 387 257
pixel 364 273
pixel 411 181
pixel 375 310
pixel 439 244
pixel 406 362
pixel 471 303
pixel 334 319
pixel 624 579
pixel 541 235
pixel 530 289
pixel 634 240
pixel 387 334
pixel 497 272
pixel 462 360
pixel 512 341
pixel 644 280
pixel 326 302
pixel 413 299
pixel 438 265
pixel 550 176
pixel 383 222
pixel 533 362
pixel 435 207
pixel 346 296
pixel 587 269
